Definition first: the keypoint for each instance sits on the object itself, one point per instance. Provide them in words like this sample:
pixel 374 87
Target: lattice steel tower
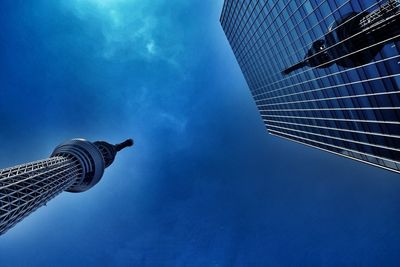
pixel 74 166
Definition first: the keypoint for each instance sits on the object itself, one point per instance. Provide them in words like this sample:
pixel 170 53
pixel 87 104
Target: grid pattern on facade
pixel 26 187
pixel 349 111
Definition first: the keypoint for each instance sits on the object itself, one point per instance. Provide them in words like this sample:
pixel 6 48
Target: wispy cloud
pixel 175 122
pixel 147 37
pixel 132 30
pixel 151 47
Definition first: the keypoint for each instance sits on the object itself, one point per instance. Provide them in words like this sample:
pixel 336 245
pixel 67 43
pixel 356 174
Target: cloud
pixel 131 29
pixel 151 47
pixel 179 124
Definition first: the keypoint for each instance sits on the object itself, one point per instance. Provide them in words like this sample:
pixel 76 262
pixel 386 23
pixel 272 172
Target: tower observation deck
pixel 74 166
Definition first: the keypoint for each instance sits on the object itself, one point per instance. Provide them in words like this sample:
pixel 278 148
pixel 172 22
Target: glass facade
pixel 352 110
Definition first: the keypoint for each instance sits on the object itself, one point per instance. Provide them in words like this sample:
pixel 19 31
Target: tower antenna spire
pixel 125 144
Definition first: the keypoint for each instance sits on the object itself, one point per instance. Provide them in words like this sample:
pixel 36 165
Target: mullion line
pixel 238 21
pixel 223 13
pixel 269 12
pixel 284 50
pixel 231 12
pixel 318 23
pixel 331 145
pixel 329 119
pixel 247 20
pixel 281 135
pixel 322 77
pixel 277 29
pixel 239 56
pixel 331 128
pixel 332 86
pixel 330 98
pixel 334 137
pixel 257 95
pixel 319 109
pixel 333 29
pixel 341 57
pixel 323 20
pixel 241 21
pixel 226 17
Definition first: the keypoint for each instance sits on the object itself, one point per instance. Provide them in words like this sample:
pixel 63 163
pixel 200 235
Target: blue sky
pixel 204 185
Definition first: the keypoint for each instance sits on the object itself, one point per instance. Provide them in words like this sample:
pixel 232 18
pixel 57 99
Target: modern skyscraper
pixel 74 166
pixel 324 73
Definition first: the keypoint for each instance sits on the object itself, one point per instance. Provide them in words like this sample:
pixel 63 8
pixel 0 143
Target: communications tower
pixel 74 166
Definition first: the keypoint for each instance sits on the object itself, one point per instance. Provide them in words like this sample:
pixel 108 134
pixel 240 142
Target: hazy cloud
pixel 132 30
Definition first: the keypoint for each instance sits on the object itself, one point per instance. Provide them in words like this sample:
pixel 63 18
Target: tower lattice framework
pixel 74 166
